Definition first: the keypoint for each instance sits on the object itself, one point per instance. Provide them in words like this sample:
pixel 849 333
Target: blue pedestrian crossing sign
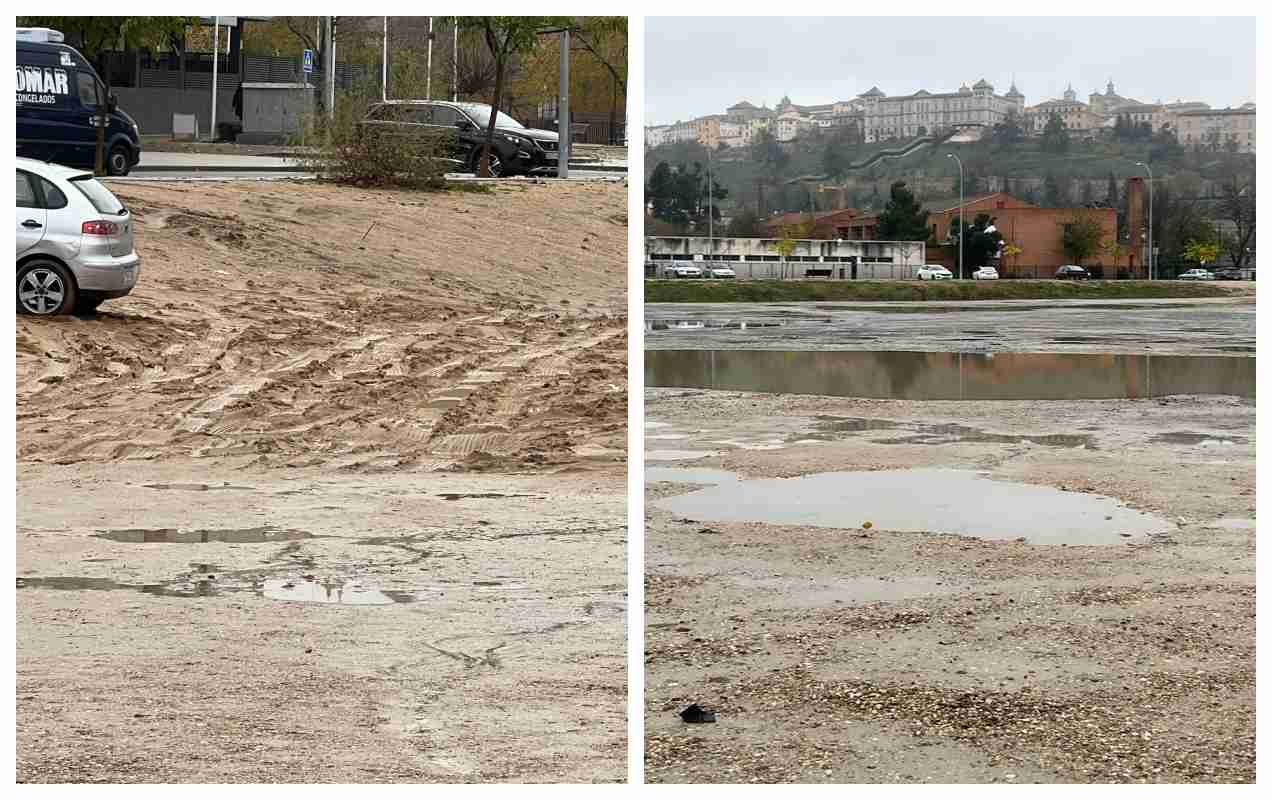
pixel 309 61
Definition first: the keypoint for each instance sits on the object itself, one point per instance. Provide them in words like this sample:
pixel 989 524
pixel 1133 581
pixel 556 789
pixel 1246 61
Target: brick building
pixel 834 224
pixel 1037 231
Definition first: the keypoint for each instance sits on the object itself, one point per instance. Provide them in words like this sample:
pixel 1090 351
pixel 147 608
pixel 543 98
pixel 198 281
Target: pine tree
pixel 903 218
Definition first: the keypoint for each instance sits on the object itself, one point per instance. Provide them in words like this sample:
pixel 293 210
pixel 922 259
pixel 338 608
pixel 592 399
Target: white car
pixel 1197 275
pixel 720 272
pixel 985 274
pixel 933 272
pixel 682 271
pixel 74 241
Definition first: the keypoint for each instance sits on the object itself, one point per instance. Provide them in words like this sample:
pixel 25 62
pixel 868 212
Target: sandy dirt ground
pixel 337 494
pixel 856 654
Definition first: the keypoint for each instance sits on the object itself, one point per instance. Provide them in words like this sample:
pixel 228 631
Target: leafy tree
pixel 1236 203
pixel 745 224
pixel 902 218
pixel 1055 137
pixel 96 34
pixel 981 240
pixel 660 194
pixel 1201 252
pixel 1051 191
pixel 1083 237
pixel 1009 131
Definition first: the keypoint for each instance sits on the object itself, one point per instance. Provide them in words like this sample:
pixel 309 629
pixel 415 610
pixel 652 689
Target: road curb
pixel 585 167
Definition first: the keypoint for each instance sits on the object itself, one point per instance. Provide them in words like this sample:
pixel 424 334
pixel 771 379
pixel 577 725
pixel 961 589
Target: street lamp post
pixel 962 225
pixel 710 214
pixel 1150 216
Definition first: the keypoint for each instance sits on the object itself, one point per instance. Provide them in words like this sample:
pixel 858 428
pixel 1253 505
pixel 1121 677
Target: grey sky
pixel 702 65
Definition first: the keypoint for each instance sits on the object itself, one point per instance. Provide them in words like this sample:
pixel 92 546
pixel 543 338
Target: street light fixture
pixel 1150 216
pixel 962 225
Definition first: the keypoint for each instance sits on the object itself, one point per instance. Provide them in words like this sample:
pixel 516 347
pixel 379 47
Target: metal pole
pixel 428 82
pixel 1150 216
pixel 455 65
pixel 710 214
pixel 384 65
pixel 962 225
pixel 331 68
pixel 216 60
pixel 563 110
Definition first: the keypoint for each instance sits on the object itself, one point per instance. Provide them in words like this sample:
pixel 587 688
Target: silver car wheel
pixel 41 291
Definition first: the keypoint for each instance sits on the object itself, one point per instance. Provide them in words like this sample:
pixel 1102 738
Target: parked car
pixel 682 271
pixel 515 150
pixel 74 241
pixel 59 100
pixel 985 274
pixel 1197 275
pixel 1072 272
pixel 933 272
pixel 720 271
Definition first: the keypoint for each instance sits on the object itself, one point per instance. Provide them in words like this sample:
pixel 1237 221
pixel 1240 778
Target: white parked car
pixel 74 241
pixel 1197 275
pixel 985 274
pixel 934 272
pixel 682 271
pixel 720 271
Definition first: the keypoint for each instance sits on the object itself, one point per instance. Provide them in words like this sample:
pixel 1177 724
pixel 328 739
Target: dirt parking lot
pixel 836 649
pixel 337 494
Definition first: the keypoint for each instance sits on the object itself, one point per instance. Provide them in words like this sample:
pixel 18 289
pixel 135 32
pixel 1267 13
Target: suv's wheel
pixel 45 288
pixel 496 163
pixel 117 160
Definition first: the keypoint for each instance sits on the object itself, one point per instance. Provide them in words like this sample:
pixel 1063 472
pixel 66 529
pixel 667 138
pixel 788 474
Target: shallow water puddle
pixel 1203 439
pixel 911 375
pixel 921 500
pixel 203 536
pixel 677 455
pixel 332 591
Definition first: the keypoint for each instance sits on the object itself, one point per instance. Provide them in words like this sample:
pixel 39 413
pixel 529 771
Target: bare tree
pixel 1236 203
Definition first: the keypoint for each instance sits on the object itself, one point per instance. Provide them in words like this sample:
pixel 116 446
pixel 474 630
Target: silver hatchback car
pixel 74 241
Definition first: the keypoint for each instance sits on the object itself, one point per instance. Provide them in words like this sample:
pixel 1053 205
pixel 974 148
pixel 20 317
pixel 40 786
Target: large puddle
pixel 906 375
pixel 203 536
pixel 919 500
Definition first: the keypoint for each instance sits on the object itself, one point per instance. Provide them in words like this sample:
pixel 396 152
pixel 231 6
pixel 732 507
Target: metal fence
pixel 145 70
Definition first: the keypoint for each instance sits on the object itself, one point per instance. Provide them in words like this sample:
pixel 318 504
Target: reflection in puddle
pixel 335 591
pixel 1204 439
pixel 950 376
pixel 652 326
pixel 921 500
pixel 177 536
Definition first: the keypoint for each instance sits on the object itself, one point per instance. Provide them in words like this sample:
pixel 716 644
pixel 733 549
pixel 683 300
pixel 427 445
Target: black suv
pixel 1072 272
pixel 516 149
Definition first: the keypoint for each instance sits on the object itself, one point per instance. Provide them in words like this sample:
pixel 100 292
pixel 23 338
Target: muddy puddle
pixel 203 536
pixel 935 434
pixel 921 500
pixel 1202 439
pixel 197 487
pixel 308 589
pixel 910 375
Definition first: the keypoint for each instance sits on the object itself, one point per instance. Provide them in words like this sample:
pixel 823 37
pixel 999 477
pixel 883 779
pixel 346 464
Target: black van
pixel 59 95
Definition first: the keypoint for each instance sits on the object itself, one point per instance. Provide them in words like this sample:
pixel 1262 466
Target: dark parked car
pixel 516 149
pixel 1072 272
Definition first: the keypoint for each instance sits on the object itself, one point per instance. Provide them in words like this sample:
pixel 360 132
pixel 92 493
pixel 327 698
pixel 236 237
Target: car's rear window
pixel 98 195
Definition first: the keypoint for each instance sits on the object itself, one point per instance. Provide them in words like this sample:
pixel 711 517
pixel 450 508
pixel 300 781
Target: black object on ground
pixel 696 713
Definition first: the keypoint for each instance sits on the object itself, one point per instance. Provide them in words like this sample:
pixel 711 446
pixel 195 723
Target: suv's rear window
pixel 98 195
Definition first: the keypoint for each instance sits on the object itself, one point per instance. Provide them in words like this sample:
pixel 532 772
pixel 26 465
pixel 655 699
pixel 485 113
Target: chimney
pixel 1136 244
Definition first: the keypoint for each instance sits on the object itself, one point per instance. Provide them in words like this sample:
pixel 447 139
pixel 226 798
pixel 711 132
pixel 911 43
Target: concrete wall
pixel 153 108
pixel 272 112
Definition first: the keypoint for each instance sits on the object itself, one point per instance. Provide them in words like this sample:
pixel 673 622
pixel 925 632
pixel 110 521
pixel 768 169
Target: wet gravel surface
pixel 857 654
pixel 1223 326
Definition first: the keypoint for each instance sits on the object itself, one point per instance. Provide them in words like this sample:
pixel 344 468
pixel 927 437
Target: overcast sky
pixel 702 65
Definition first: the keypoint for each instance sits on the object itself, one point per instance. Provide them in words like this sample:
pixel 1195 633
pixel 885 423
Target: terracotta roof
pixel 1015 202
pixel 796 217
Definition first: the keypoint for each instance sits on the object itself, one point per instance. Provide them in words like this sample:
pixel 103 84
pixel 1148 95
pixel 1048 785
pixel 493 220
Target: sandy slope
pixel 429 391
